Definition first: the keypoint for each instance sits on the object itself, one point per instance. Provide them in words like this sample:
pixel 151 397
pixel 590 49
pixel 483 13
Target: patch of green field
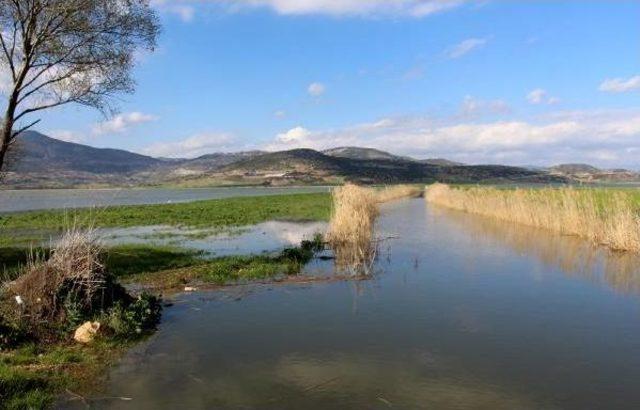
pixel 199 214
pixel 215 213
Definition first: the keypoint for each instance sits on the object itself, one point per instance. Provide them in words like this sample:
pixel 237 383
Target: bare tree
pixel 56 52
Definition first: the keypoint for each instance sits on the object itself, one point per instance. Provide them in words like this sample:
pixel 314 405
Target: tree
pixel 56 52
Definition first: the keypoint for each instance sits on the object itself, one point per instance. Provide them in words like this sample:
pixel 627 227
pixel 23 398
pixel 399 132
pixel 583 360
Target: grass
pixel 609 217
pixel 33 375
pixel 199 214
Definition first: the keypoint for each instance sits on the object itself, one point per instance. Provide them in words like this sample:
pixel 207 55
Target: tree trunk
pixel 6 133
pixel 5 140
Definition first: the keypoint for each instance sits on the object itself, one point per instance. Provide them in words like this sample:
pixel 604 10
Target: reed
pixel 605 217
pixel 395 192
pixel 350 232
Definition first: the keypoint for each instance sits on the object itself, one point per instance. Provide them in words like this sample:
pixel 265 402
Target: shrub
pixel 139 317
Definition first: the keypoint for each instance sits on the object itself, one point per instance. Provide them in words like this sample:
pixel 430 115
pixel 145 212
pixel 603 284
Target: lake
pixel 463 312
pixel 26 200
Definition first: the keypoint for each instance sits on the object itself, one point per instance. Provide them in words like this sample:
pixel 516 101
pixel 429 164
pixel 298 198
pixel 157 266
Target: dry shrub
pixel 73 274
pixel 604 217
pixel 395 192
pixel 350 232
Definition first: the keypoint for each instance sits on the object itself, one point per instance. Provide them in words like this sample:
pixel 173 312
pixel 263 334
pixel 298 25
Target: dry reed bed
pixel 395 192
pixel 608 218
pixel 351 229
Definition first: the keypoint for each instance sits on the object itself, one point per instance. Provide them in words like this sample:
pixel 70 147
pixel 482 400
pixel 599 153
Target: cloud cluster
pixel 122 123
pixel 194 146
pixel 185 9
pixel 540 96
pixel 316 89
pixel 621 85
pixel 608 138
pixel 465 47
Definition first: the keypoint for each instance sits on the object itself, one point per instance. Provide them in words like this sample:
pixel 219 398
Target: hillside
pixel 41 161
pixel 35 152
pixel 590 174
pixel 313 166
pixel 360 153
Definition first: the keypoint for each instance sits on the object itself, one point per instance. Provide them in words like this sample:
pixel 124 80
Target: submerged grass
pixel 603 216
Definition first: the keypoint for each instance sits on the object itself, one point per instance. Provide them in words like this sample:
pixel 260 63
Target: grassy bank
pixel 609 217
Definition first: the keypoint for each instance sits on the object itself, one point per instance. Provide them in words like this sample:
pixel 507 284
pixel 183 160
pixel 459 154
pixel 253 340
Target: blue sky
pixel 515 82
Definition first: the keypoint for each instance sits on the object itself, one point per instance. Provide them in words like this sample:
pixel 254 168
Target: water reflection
pixel 572 255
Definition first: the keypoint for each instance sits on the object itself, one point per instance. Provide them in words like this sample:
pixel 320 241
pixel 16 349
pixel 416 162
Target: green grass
pixel 33 375
pixel 199 214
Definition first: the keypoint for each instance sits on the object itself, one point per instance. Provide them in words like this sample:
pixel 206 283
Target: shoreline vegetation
pixel 351 227
pixel 47 293
pixel 609 217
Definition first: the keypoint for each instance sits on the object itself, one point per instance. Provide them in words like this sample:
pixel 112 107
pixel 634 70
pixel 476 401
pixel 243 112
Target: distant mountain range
pixel 39 161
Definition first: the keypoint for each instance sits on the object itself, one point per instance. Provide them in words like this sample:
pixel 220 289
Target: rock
pixel 190 289
pixel 87 332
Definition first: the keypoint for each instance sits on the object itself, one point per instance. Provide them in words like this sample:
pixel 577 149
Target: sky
pixel 492 81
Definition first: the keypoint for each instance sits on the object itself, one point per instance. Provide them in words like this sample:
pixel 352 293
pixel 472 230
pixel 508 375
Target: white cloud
pixel 465 47
pixel 540 96
pixel 194 146
pixel 122 123
pixel 185 11
pixel 409 8
pixel 473 107
pixel 297 135
pixel 280 114
pixel 316 89
pixel 621 85
pixel 562 137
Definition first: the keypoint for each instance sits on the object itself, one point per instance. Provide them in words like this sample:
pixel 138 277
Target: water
pixel 25 200
pixel 463 313
pixel 264 237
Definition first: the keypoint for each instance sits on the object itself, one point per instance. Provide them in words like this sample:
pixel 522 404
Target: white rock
pixel 87 332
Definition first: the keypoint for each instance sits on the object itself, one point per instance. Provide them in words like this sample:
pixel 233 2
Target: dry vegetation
pixel 395 192
pixel 351 234
pixel 605 217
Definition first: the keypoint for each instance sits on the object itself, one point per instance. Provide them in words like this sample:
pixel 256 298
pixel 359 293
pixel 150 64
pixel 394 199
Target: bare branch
pixel 23 129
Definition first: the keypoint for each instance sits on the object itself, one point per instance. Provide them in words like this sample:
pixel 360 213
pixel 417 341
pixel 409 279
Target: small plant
pixel 11 335
pixel 139 317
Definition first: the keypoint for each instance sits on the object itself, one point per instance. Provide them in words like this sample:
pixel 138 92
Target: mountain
pixel 305 165
pixel 588 173
pixel 41 161
pixel 35 152
pixel 372 153
pixel 360 153
pixel 573 169
pixel 441 161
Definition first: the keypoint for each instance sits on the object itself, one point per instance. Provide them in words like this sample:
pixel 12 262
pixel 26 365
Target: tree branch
pixel 23 129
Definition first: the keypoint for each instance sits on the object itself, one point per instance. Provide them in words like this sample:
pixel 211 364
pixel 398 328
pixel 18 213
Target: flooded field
pixel 27 200
pixel 265 237
pixel 463 312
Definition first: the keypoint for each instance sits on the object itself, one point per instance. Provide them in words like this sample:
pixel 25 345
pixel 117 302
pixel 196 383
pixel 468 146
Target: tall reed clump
pixel 395 192
pixel 350 232
pixel 606 217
